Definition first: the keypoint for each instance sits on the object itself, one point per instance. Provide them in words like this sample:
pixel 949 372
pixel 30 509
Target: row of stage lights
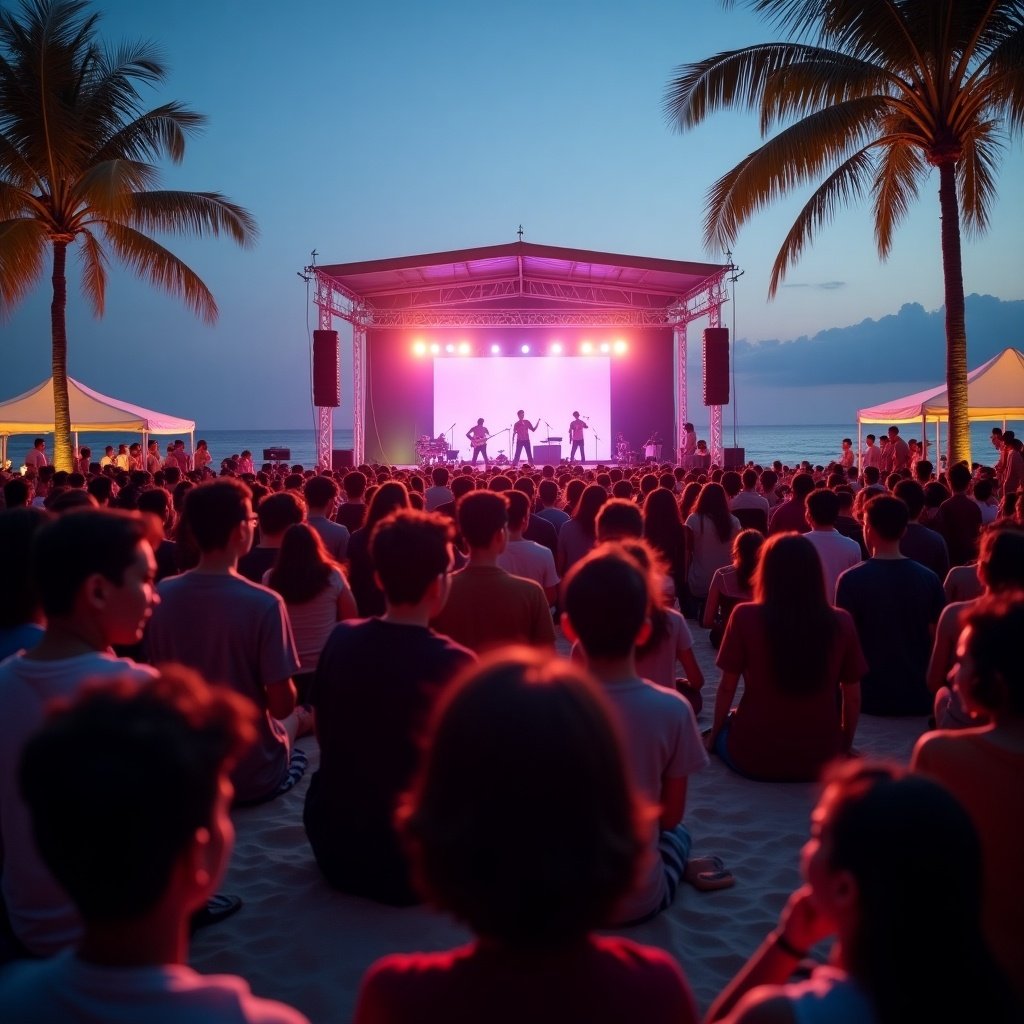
pixel 555 348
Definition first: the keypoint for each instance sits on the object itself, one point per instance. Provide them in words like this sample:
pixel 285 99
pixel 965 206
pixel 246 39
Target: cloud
pixel 908 346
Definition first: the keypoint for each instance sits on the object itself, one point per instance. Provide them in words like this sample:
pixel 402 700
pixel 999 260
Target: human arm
pixel 850 711
pixel 673 802
pixel 347 607
pixel 711 605
pixel 723 704
pixel 281 697
pixel 691 669
pixel 800 927
pixel 943 649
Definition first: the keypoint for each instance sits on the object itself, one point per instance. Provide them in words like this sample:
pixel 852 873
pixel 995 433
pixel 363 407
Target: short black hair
pixel 409 549
pixel 481 515
pixel 823 507
pixel 518 508
pixel 617 518
pixel 212 510
pixel 911 493
pixel 320 491
pixel 888 516
pixel 279 511
pixel 606 597
pixel 118 782
pixel 73 547
pixel 19 598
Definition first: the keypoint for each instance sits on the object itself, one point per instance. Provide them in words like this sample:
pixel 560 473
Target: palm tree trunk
pixel 62 451
pixel 956 329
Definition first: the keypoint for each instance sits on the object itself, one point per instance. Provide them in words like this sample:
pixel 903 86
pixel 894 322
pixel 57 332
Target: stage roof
pixel 520 270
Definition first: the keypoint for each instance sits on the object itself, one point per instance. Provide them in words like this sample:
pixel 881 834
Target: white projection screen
pixel 546 388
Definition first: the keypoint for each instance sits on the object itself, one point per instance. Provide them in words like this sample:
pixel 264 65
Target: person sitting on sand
pixel 276 513
pixel 607 599
pixel 386 499
pixel 893 870
pixel 129 795
pixel 801 665
pixel 94 573
pixel 374 690
pixel 506 844
pixel 732 584
pixel 982 767
pixel 236 633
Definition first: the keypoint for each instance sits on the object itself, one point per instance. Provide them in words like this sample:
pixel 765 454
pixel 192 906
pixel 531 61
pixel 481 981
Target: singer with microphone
pixel 521 431
pixel 576 429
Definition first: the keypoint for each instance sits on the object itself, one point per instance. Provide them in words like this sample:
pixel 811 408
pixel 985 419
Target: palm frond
pixel 900 173
pixel 94 271
pixel 22 254
pixel 976 182
pixel 158 133
pixel 795 155
pixel 192 213
pixel 105 189
pixel 150 260
pixel 13 165
pixel 846 183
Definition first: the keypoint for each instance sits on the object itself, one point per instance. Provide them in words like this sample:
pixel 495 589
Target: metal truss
pixel 679 334
pixel 359 393
pixel 324 414
pixel 438 318
pixel 715 412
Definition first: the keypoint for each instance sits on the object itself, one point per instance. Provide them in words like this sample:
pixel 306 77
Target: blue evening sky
pixel 390 128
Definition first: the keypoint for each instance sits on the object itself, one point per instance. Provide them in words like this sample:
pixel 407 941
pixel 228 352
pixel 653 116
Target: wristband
pixel 780 940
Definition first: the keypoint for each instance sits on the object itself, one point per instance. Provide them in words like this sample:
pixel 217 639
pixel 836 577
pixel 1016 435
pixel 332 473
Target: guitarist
pixel 521 431
pixel 478 439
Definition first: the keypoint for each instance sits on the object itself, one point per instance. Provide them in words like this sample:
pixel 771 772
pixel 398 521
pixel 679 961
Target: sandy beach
pixel 299 941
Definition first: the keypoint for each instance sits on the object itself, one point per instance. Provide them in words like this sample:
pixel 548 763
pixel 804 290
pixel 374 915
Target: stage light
pixel 450 347
pixel 495 350
pixel 620 347
pixel 586 348
pixel 419 348
pixel 525 350
pixel 463 348
pixel 605 347
pixel 556 349
pixel 435 349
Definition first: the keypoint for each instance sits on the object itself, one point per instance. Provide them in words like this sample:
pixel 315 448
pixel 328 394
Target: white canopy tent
pixel 32 413
pixel 995 391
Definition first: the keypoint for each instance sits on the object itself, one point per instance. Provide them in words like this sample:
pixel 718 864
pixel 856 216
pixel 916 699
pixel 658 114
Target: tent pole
pixel 860 451
pixel 77 449
pixel 924 436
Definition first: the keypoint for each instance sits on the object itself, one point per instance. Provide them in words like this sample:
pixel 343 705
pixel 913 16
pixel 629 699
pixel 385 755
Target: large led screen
pixel 547 388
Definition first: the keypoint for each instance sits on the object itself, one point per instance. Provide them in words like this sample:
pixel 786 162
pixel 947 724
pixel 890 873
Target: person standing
pixel 900 450
pixel 576 429
pixel 36 458
pixel 872 454
pixel 521 431
pixel 153 460
pixel 846 459
pixel 477 437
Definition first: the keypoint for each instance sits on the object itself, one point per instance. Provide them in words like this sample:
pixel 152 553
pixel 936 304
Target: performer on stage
pixel 576 429
pixel 521 431
pixel 478 439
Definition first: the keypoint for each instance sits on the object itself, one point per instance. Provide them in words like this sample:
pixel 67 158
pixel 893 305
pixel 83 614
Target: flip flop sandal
pixel 218 908
pixel 708 874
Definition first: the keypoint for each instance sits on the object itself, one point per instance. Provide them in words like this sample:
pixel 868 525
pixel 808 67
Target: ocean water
pixel 818 443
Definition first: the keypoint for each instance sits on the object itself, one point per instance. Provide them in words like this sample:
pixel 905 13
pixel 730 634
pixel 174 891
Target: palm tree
pixel 77 165
pixel 867 98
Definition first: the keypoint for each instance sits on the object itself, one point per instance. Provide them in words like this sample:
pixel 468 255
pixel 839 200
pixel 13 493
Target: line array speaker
pixel 716 366
pixel 326 371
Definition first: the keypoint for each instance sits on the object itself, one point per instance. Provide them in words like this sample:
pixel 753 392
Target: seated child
pixel 532 852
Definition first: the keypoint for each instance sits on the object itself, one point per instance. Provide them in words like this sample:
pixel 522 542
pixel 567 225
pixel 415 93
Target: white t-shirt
pixel 41 913
pixel 709 552
pixel 837 554
pixel 65 989
pixel 659 664
pixel 531 560
pixel 312 621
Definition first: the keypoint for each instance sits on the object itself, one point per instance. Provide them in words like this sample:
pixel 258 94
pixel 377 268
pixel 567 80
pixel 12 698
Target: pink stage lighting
pixel 525 350
pixel 556 348
pixel 435 349
pixel 620 347
pixel 605 347
pixel 419 348
pixel 450 347
pixel 586 348
pixel 495 350
pixel 463 348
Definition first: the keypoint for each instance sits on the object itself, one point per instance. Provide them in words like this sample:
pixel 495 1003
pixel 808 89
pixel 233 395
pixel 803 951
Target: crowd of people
pixel 170 634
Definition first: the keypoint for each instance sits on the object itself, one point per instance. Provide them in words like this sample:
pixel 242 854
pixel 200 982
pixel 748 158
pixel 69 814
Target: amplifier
pixel 547 454
pixel 277 454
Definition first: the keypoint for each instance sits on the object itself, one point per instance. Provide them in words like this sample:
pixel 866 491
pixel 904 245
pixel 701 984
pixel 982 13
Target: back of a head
pixel 518 509
pixel 481 515
pixel 591 500
pixel 354 484
pixel 155 500
pixel 118 783
pixel 80 544
pixel 732 482
pixel 746 555
pixel 440 476
pixel 19 598
pixel 802 484
pixel 212 510
pixel 499 484
pixel 902 930
pixel 410 549
pixel 606 596
pixel 320 491
pixel 911 493
pixel 749 479
pixel 619 518
pixel 504 842
pixel 887 516
pixel 959 477
pixel 279 511
pixel 390 495
pixel 823 507
pixel 462 485
pixel 547 491
pixel 996 624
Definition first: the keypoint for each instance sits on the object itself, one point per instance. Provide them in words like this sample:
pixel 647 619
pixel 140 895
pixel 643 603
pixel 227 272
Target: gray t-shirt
pixel 234 633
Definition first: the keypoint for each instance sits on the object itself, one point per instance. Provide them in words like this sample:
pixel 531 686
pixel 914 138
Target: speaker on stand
pixel 326 369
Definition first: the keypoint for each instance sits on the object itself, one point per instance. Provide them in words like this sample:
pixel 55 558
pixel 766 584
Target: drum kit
pixel 434 451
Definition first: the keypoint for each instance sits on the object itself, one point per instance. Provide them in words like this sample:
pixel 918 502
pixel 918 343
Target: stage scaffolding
pixel 399 294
